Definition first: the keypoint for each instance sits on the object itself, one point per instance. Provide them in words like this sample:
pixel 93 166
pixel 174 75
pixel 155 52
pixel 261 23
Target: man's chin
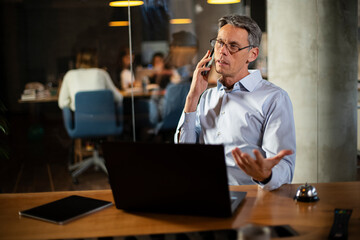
pixel 219 70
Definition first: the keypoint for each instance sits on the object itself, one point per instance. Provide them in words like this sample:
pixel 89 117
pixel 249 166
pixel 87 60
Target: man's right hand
pixel 198 85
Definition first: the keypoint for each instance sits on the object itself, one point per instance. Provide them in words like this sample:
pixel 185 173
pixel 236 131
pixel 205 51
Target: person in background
pixel 182 51
pixel 250 116
pixel 86 77
pixel 126 77
pixel 163 73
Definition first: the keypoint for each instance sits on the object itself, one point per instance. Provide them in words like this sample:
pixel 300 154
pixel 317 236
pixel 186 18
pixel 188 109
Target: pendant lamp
pixel 181 11
pixel 223 1
pixel 119 18
pixel 125 3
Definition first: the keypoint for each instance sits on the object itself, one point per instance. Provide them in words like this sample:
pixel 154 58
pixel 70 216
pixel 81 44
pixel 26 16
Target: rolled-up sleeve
pixel 187 130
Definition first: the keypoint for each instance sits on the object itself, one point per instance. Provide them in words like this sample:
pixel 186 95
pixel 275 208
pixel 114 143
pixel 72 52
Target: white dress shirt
pixel 254 114
pixel 85 79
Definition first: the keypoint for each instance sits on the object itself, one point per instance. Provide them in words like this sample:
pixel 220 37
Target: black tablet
pixel 66 209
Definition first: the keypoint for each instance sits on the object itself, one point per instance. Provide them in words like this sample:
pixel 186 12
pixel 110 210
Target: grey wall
pixel 312 54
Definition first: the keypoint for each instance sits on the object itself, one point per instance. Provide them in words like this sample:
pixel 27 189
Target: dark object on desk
pixel 170 178
pixel 66 209
pixel 339 229
pixel 306 193
pixel 278 231
pixel 282 231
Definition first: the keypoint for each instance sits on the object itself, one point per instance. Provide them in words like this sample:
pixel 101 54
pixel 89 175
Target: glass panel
pixel 40 40
pixel 48 35
pixel 177 33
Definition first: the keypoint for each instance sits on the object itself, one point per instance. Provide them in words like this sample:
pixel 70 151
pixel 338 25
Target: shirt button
pixel 219 133
pixel 222 113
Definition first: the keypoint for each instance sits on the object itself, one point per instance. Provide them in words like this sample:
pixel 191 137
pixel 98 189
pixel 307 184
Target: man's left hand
pixel 260 168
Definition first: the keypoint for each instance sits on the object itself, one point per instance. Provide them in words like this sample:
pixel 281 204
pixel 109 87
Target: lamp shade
pixel 119 18
pixel 181 11
pixel 223 1
pixel 180 21
pixel 125 3
pixel 118 23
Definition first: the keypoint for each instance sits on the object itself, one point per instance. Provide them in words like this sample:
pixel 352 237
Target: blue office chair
pixel 174 101
pixel 96 115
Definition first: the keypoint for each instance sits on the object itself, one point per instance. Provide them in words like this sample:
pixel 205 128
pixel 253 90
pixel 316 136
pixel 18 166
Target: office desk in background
pixel 126 94
pixel 40 100
pixel 310 220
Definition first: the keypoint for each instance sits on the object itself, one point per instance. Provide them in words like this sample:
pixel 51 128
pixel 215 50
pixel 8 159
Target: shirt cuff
pixel 269 184
pixel 262 183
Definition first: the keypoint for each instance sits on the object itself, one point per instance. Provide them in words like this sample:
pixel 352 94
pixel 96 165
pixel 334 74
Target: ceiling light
pixel 119 17
pixel 118 23
pixel 180 21
pixel 223 1
pixel 125 3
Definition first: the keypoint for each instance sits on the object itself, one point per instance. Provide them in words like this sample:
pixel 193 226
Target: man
pixel 252 117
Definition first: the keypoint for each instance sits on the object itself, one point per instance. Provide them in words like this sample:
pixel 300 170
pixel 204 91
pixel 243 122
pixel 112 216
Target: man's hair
pixel 246 23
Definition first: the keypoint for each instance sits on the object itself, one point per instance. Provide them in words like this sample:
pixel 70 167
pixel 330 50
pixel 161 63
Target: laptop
pixel 170 178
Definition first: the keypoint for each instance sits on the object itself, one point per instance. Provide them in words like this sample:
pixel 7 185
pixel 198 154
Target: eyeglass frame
pixel 215 40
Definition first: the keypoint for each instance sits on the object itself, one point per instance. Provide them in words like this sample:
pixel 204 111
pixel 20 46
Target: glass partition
pixel 162 40
pixel 167 38
pixel 40 41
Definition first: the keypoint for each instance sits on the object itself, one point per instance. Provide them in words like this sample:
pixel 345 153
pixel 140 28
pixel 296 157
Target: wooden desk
pixel 141 94
pixel 40 100
pixel 310 220
pixel 126 94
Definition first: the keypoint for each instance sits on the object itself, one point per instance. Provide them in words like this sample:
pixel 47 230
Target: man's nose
pixel 224 50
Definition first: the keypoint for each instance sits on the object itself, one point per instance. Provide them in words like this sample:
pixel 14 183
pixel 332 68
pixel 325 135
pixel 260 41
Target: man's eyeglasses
pixel 232 48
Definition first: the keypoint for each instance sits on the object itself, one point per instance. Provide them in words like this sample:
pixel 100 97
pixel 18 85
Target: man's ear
pixel 253 54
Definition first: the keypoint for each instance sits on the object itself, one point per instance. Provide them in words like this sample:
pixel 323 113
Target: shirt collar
pixel 247 83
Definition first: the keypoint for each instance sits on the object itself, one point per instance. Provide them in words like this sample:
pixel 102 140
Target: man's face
pixel 233 66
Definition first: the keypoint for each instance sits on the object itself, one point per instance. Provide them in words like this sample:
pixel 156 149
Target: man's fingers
pixel 205 59
pixel 282 154
pixel 258 155
pixel 285 152
pixel 237 156
pixel 236 153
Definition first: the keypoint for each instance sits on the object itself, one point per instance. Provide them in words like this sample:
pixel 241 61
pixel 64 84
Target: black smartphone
pixel 204 73
pixel 282 231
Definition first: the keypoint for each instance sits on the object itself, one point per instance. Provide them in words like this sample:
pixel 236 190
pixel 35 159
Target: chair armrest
pixel 68 119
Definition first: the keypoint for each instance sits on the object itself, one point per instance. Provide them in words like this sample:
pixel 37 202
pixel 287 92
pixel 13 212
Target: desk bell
pixel 306 193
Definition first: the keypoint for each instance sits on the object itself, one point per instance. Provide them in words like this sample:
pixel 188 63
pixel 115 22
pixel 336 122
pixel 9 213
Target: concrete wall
pixel 312 54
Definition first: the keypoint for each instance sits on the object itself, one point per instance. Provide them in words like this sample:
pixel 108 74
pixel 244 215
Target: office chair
pixel 96 115
pixel 174 101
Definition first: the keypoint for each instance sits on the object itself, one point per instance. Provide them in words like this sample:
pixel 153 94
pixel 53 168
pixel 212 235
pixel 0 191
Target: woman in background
pixel 163 74
pixel 86 77
pixel 126 77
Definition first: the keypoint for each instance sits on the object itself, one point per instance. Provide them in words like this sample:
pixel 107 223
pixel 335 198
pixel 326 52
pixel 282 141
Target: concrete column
pixel 312 54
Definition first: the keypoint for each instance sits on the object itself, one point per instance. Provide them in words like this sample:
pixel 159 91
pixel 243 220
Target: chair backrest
pixel 95 115
pixel 174 101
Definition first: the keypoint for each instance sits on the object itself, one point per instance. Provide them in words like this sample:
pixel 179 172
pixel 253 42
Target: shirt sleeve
pixel 187 130
pixel 64 94
pixel 110 85
pixel 279 134
pixel 126 78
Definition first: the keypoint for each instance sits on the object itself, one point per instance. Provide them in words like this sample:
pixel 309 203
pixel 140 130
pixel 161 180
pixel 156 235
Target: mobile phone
pixel 208 64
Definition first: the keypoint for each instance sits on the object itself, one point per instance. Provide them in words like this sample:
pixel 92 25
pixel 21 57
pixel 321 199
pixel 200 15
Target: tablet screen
pixel 66 209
